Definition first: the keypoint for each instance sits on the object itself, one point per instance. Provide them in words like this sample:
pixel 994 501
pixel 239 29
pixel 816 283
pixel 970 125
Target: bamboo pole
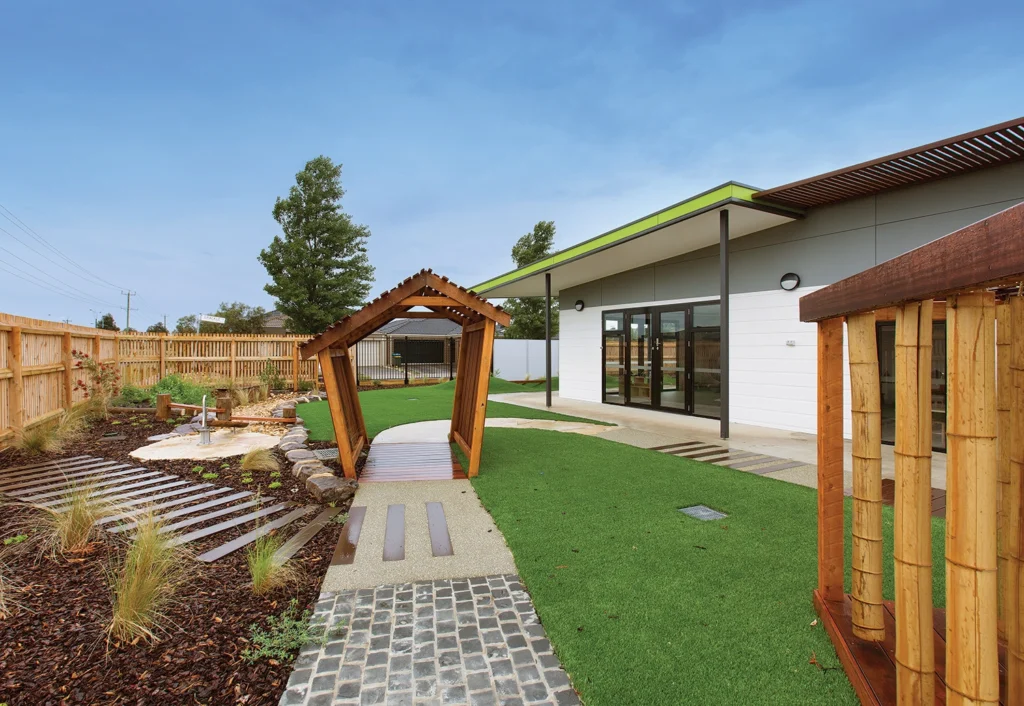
pixel 912 544
pixel 1013 578
pixel 972 667
pixel 1004 395
pixel 866 407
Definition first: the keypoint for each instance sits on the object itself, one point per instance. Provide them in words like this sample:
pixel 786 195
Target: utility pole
pixel 128 309
pixel 165 320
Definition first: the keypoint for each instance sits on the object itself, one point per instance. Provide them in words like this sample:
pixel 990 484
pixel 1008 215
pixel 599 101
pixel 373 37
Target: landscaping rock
pixel 305 469
pixel 301 400
pixel 161 437
pixel 299 455
pixel 183 429
pixel 290 445
pixel 198 419
pixel 329 488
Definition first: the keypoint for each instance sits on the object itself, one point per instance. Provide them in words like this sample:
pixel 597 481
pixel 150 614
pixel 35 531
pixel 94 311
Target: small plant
pixel 8 605
pixel 260 460
pixel 341 518
pixel 247 479
pixel 274 485
pixel 209 475
pixel 16 539
pixel 285 634
pixel 306 385
pixel 133 396
pixel 240 396
pixel 264 569
pixel 38 440
pixel 225 465
pixel 143 584
pixel 275 474
pixel 198 469
pixel 264 392
pixel 68 527
pixel 104 379
pixel 182 391
pixel 271 376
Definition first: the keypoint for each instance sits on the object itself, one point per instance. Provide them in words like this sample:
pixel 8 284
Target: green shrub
pixel 285 634
pixel 306 385
pixel 184 391
pixel 209 476
pixel 271 376
pixel 132 396
pixel 274 485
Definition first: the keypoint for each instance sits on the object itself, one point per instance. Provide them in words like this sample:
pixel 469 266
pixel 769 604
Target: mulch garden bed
pixel 54 649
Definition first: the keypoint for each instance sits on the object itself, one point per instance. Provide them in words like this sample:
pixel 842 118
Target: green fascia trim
pixel 730 192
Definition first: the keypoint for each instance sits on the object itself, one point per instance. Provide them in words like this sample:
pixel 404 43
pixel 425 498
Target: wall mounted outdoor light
pixel 579 305
pixel 790 281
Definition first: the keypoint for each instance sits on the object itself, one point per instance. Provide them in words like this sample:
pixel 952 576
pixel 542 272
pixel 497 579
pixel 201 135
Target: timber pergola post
pixel 977 276
pixel 335 347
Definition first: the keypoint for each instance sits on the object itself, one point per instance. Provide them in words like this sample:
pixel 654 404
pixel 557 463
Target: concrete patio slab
pixel 437 430
pixel 223 443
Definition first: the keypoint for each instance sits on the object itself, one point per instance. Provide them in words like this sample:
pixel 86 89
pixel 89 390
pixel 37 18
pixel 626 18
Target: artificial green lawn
pixel 383 409
pixel 647 606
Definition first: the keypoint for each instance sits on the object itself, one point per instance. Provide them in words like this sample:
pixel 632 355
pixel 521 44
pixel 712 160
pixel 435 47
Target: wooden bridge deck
pixel 871 666
pixel 430 460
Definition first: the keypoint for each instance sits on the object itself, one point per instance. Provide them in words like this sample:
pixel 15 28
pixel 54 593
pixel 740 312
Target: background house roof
pixel 421 327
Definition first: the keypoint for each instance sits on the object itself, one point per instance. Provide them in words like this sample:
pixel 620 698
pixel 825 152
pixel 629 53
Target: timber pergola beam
pixel 444 300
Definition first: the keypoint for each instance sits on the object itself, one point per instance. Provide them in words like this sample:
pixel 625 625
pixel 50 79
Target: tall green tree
pixel 238 318
pixel 158 327
pixel 106 322
pixel 319 267
pixel 528 313
pixel 187 324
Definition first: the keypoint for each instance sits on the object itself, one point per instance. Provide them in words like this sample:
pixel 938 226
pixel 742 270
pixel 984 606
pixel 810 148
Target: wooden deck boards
pixel 250 537
pixel 411 462
pixel 345 553
pixel 287 550
pixel 871 666
pixel 437 526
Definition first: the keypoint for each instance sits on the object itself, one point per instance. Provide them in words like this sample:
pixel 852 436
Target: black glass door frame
pixel 653 352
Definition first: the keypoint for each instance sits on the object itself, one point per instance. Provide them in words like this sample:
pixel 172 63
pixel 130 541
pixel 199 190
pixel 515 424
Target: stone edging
pixel 320 482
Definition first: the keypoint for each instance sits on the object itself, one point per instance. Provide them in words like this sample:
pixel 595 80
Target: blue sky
pixel 147 142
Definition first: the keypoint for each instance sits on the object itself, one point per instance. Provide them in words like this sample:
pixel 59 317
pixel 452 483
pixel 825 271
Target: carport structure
pixel 425 295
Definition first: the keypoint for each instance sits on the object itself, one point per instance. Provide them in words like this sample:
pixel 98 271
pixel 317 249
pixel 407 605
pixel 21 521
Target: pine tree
pixel 528 313
pixel 319 268
pixel 106 322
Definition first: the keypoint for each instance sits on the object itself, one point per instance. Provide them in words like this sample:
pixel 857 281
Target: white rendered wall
pixel 520 359
pixel 772 384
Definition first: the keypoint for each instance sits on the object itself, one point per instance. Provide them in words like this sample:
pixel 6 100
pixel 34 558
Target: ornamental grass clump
pixel 68 526
pixel 38 441
pixel 260 460
pixel 266 572
pixel 144 583
pixel 8 605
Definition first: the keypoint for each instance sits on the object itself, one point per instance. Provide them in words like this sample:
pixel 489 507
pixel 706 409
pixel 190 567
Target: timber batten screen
pixel 913 652
pixel 442 299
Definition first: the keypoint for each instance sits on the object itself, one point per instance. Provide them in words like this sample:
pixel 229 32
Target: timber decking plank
pixel 33 496
pixel 779 467
pixel 437 525
pixel 345 552
pixel 712 459
pixel 181 524
pixel 41 464
pixel 394 534
pixel 287 550
pixel 50 471
pixel 737 456
pixel 249 537
pixel 116 499
pixel 694 449
pixel 748 462
pixel 74 478
pixel 673 446
pixel 169 503
pixel 233 522
pixel 188 510
pixel 701 453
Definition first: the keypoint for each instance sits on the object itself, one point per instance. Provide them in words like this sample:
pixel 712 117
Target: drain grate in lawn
pixel 702 512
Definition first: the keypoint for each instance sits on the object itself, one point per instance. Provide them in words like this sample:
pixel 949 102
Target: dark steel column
pixel 723 281
pixel 405 359
pixel 547 335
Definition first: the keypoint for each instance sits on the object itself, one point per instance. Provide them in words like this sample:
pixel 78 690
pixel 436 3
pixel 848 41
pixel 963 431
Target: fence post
pixel 405 359
pixel 66 357
pixel 17 393
pixel 162 342
pixel 295 365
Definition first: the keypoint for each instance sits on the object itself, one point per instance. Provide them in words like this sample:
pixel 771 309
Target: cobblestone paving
pixel 453 641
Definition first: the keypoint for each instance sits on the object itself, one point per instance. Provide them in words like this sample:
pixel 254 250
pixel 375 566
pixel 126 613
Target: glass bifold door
pixel 664 358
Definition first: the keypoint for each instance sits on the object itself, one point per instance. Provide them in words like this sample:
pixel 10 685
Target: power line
pixel 59 284
pixel 29 231
pixel 38 283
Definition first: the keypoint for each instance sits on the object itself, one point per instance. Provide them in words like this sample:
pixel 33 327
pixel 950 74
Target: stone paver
pixel 470 641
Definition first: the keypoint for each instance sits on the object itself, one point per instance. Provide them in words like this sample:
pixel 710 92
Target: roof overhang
pixel 684 227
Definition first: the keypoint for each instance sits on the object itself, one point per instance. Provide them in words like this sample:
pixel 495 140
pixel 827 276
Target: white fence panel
pixel 518 359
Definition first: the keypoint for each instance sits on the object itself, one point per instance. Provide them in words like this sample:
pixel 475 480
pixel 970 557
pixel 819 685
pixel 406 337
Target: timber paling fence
pixel 38 373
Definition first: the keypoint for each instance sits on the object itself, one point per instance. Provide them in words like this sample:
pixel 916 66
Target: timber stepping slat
pixel 394 534
pixel 345 552
pixel 749 462
pixel 287 550
pixel 98 487
pixel 213 515
pixel 69 479
pixel 51 472
pixel 411 462
pixel 102 495
pixel 187 510
pixel 55 463
pixel 170 503
pixel 785 465
pixel 713 451
pixel 227 524
pixel 437 526
pixel 676 446
pixel 121 497
pixel 249 537
pixel 737 456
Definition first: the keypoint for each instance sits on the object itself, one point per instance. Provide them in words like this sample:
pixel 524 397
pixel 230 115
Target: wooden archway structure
pixel 442 299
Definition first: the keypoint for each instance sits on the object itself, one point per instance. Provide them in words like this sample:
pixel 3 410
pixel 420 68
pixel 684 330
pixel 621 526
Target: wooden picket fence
pixel 38 373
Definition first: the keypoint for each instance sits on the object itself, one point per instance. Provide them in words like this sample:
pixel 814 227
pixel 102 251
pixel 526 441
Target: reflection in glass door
pixel 707 361
pixel 614 364
pixel 639 367
pixel 671 348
